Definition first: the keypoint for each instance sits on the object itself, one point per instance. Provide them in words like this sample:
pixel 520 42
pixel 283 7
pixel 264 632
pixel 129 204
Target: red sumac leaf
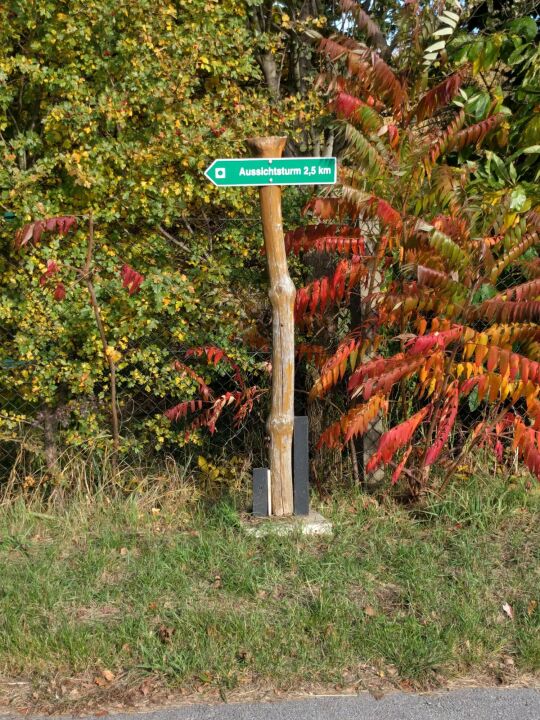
pixel 131 279
pixel 33 231
pixel 59 292
pixel 526 441
pixel 447 418
pixel 424 343
pixel 401 466
pixel 325 238
pixel 214 355
pixel 323 208
pixel 181 410
pixel 338 360
pixel 438 97
pixel 203 387
pixel 388 215
pixel 492 358
pixel 316 354
pixel 355 422
pixel 396 438
pixel 524 366
pixel 51 269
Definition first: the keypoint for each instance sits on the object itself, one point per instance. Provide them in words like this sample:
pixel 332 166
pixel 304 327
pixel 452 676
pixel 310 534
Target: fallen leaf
pixel 165 633
pixel 369 611
pixel 123 551
pixel 108 675
pixel 508 610
pixel 531 607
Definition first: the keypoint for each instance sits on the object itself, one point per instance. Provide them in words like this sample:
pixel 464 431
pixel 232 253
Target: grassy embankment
pixel 117 598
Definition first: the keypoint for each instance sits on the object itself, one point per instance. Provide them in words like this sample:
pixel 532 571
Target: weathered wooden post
pixel 268 171
pixel 282 294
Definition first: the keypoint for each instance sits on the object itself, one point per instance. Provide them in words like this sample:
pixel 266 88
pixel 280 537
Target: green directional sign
pixel 272 171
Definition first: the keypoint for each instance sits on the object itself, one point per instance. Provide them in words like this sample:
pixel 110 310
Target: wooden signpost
pixel 268 171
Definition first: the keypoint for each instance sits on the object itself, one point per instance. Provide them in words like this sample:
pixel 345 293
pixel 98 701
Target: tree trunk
pixel 367 443
pixel 271 73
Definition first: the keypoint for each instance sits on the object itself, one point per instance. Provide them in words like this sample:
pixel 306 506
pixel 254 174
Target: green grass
pixel 193 599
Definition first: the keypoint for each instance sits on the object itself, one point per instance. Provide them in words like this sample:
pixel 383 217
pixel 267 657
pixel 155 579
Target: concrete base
pixel 312 524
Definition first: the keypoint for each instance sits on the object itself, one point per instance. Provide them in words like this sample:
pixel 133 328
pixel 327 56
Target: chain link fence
pixel 40 442
pixel 40 439
pixel 56 402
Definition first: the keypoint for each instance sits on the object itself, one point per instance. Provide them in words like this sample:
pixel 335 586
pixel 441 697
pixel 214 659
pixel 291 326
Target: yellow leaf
pixel 468 350
pixel 505 389
pixel 113 354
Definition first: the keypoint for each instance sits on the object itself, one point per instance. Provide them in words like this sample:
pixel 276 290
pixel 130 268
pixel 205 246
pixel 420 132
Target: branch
pixel 86 275
pixel 174 240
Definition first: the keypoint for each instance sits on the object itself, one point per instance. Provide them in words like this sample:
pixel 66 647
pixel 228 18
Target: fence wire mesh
pixel 38 437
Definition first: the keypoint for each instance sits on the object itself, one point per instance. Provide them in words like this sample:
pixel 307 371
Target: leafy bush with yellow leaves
pixel 114 109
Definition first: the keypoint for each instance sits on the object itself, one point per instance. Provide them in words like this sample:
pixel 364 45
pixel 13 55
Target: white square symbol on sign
pixel 220 173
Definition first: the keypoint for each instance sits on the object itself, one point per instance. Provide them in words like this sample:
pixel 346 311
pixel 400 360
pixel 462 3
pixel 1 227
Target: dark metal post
pixel 261 492
pixel 301 465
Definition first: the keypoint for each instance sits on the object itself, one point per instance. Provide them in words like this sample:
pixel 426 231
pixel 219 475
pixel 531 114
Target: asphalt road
pixel 472 704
